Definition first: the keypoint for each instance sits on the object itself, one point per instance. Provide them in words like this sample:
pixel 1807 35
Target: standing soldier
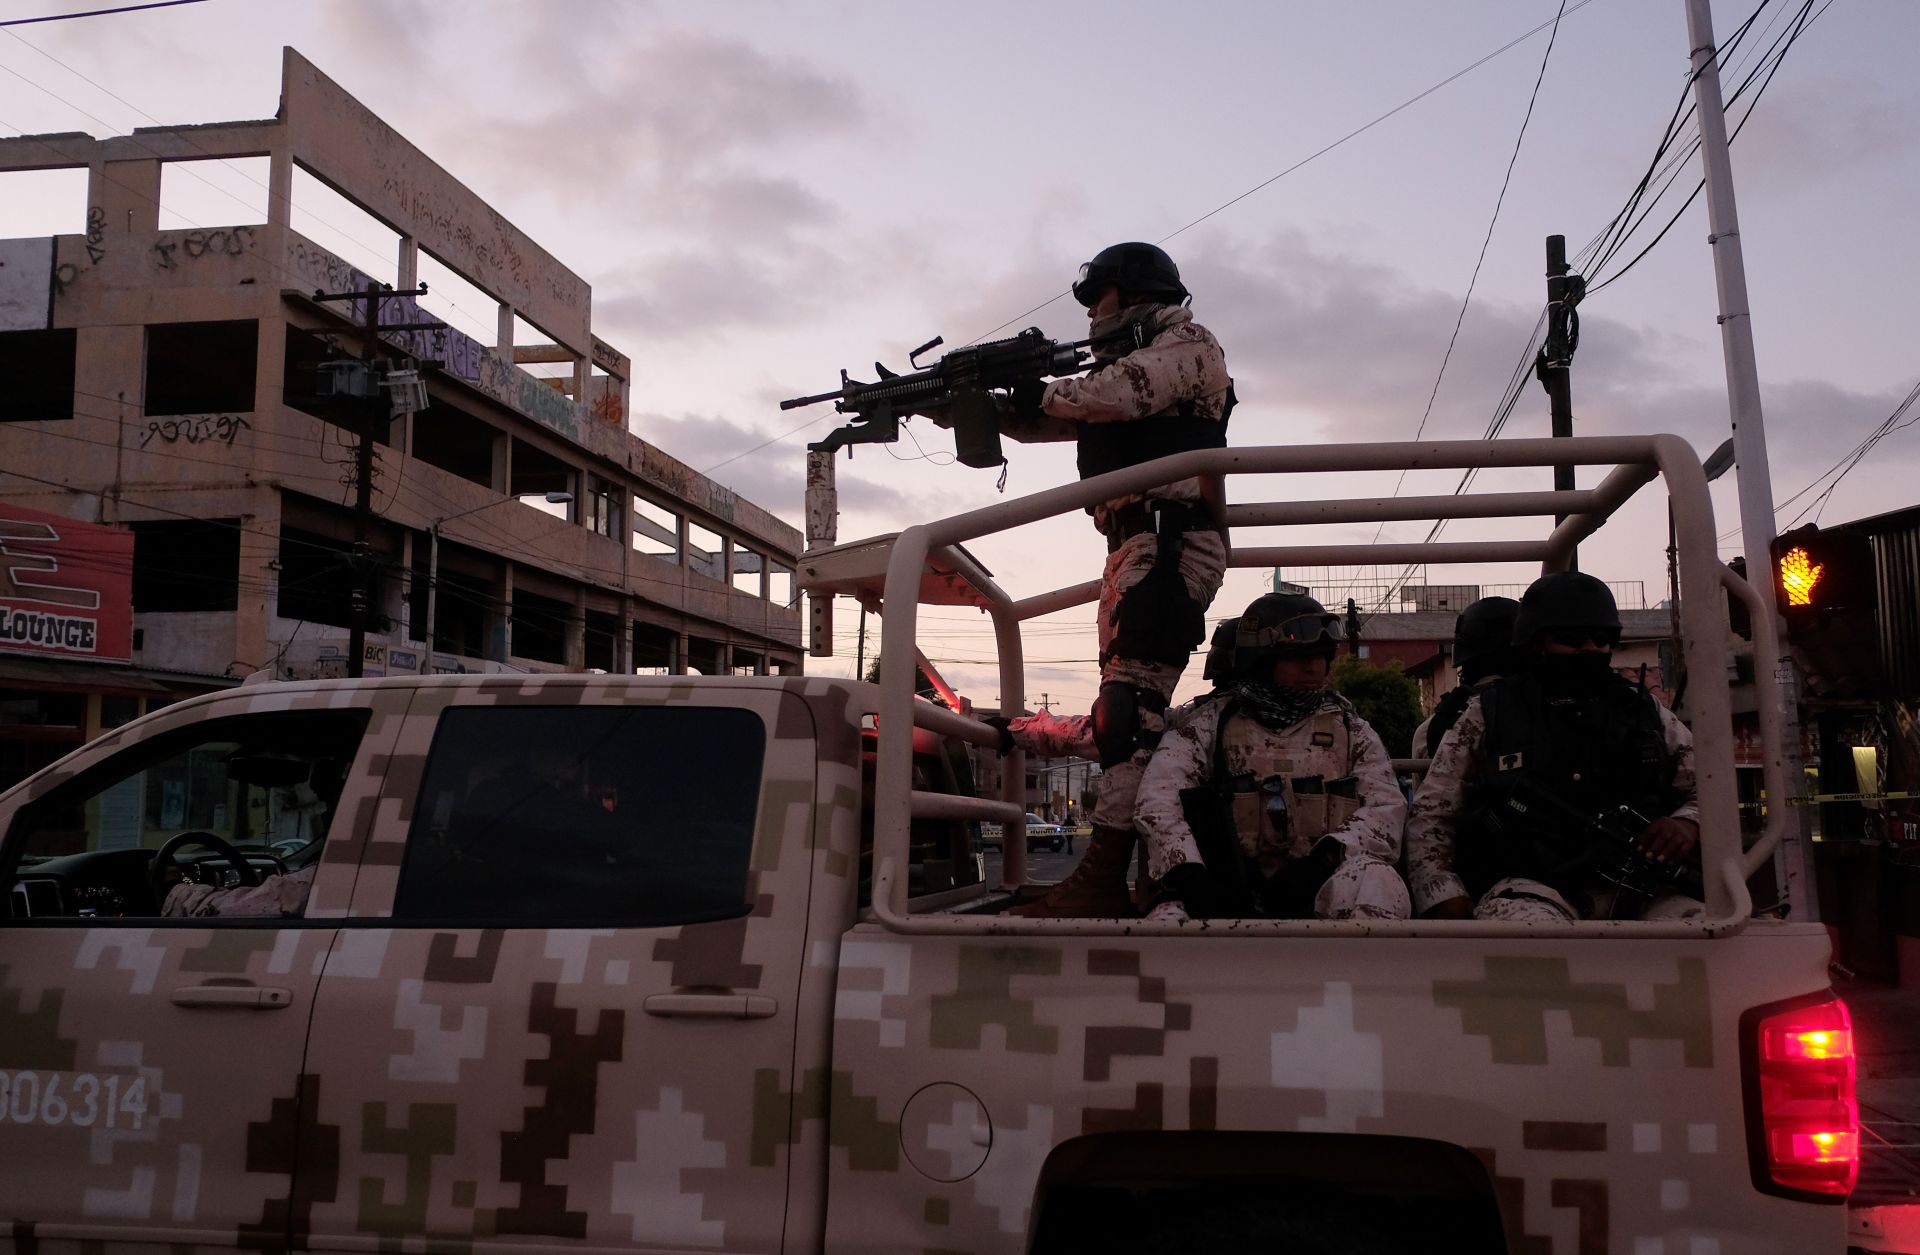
pixel 1565 726
pixel 1271 795
pixel 1159 387
pixel 1482 653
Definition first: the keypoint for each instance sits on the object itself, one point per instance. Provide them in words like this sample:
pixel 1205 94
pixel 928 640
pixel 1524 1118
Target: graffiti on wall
pixel 196 429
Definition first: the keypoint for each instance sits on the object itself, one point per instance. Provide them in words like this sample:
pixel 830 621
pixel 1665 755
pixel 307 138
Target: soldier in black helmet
pixel 1482 653
pixel 1272 796
pixel 1159 387
pixel 1565 725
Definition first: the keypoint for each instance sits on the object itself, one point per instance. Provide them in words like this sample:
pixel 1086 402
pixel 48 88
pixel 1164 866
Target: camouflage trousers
pixel 1363 887
pixel 1523 901
pixel 1203 564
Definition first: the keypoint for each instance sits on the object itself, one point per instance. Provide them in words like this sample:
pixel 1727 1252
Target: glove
pixel 1004 726
pixel 1026 396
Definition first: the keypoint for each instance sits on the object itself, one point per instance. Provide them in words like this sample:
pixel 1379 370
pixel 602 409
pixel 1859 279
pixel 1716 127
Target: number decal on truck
pixel 82 1099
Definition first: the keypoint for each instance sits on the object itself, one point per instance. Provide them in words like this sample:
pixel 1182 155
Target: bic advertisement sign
pixel 66 588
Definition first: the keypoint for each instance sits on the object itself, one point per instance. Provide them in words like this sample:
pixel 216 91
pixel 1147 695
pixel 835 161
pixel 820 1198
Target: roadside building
pixel 183 389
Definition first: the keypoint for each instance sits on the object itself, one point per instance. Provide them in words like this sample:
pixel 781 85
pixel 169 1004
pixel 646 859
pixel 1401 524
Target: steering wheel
pixel 163 859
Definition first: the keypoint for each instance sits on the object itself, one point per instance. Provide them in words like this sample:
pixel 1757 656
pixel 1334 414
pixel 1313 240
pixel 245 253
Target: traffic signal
pixel 1816 571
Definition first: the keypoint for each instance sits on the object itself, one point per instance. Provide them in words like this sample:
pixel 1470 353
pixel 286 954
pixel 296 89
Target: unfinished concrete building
pixel 185 385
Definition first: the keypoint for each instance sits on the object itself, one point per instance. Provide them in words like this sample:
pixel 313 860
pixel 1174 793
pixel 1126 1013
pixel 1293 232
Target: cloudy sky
pixel 762 193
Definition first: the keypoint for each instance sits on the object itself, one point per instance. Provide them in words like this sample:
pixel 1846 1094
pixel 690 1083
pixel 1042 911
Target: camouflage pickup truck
pixel 611 963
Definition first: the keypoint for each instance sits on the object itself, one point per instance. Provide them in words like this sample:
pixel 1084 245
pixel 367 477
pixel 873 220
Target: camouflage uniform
pixel 1181 363
pixel 1364 884
pixel 285 896
pixel 1442 798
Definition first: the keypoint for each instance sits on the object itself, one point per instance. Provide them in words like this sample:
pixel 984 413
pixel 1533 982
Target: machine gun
pixel 956 387
pixel 1603 845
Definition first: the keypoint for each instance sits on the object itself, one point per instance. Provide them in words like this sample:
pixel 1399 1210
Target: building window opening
pixel 656 531
pixel 316 578
pixel 782 588
pixel 655 650
pixel 534 473
pixel 541 626
pixel 186 566
pixel 535 352
pixel 705 552
pixel 202 367
pixel 343 228
pixel 208 193
pixel 602 507
pixel 747 566
pixel 703 656
pixel 462 609
pixel 452 297
pixel 37 370
pixel 602 632
pixel 456 442
pixel 37 203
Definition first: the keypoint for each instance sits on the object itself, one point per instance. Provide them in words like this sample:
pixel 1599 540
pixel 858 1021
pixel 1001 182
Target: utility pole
pixel 1564 291
pixel 860 650
pixel 1749 431
pixel 368 389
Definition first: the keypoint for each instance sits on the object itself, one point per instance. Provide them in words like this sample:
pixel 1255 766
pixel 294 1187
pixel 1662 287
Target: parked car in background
pixel 1041 835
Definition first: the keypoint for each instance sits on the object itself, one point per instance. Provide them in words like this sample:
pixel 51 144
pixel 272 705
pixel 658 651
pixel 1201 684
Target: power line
pixel 125 8
pixel 1505 181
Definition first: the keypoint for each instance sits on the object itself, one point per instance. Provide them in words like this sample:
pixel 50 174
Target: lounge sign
pixel 66 588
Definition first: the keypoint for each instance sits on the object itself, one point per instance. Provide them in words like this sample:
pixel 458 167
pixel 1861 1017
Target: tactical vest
pixel 1446 713
pixel 1104 447
pixel 1593 753
pixel 1266 769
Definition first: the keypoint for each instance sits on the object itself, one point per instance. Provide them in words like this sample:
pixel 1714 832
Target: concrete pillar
pixel 577 631
pixel 503 617
pixel 623 647
pixel 680 645
pixel 502 474
pixel 259 568
pixel 128 196
pixel 408 263
pixel 504 339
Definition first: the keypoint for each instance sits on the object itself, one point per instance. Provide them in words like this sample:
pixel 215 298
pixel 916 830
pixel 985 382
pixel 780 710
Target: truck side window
pixel 265 784
pixel 641 816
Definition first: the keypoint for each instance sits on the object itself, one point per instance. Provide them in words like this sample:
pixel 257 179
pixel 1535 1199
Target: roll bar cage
pixel 928 564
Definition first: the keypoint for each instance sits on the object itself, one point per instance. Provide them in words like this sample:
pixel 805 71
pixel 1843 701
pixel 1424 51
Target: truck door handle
pixel 233 997
pixel 710 1006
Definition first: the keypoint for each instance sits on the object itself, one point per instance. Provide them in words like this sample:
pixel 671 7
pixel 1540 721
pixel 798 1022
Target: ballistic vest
pixel 1592 753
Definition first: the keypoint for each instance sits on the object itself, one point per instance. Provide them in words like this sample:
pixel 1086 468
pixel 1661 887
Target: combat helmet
pixel 1219 668
pixel 1280 625
pixel 1483 637
pixel 1565 599
pixel 1135 268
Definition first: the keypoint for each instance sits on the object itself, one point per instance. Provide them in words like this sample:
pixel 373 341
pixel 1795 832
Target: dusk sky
pixel 760 194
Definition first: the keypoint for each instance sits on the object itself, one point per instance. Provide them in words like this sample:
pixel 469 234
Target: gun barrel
pixel 815 399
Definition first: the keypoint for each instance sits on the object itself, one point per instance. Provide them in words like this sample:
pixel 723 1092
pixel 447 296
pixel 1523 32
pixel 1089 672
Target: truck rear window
pixel 561 815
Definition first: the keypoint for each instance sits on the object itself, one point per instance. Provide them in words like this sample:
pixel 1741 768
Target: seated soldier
pixel 1271 795
pixel 1482 653
pixel 1502 826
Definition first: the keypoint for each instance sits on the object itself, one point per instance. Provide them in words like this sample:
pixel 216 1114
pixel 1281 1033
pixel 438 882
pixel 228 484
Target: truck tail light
pixel 1803 1120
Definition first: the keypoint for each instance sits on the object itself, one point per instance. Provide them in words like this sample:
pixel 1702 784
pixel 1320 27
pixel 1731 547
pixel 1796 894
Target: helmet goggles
pixel 1095 278
pixel 1300 631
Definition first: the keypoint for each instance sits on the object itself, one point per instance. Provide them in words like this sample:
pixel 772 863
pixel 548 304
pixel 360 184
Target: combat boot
pixel 1096 888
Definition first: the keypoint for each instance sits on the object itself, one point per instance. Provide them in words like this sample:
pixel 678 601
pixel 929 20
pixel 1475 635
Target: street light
pixel 433 552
